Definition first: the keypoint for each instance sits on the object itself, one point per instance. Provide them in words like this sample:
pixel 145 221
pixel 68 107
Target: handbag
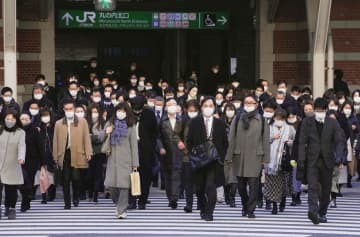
pixel 204 154
pixel 135 183
pixel 106 146
pixel 286 158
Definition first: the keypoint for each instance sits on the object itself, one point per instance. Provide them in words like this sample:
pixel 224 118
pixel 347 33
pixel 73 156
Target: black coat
pixel 311 146
pixel 197 135
pixel 148 133
pixel 47 134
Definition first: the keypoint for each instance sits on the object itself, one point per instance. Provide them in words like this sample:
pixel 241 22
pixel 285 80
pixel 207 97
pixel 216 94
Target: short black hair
pixel 39 77
pixel 67 101
pixel 281 82
pixel 320 103
pixel 270 104
pixel 6 89
pixel 295 88
pixel 206 99
pixel 339 73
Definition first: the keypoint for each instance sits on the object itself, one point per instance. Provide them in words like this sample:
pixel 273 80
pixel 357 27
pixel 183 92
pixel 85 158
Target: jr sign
pixel 142 20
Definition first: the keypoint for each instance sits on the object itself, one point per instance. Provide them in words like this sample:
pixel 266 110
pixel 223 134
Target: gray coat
pixel 12 149
pixel 122 159
pixel 248 149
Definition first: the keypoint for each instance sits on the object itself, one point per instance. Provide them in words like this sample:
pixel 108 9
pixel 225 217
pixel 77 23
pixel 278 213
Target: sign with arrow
pixel 77 19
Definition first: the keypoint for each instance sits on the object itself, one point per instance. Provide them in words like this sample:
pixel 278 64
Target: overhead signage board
pixel 142 20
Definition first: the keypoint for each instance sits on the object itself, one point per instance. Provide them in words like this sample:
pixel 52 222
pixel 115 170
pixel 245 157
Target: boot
pixel 232 195
pixel 340 193
pixel 44 200
pixel 268 205
pixel 51 193
pixel 274 209
pixel 282 204
pixel 298 198
pixel 293 200
pixel 12 214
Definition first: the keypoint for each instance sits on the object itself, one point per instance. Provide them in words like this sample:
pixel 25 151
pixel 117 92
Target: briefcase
pixel 135 183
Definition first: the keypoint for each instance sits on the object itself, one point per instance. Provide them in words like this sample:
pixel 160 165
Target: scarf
pixel 245 118
pixel 277 148
pixel 120 130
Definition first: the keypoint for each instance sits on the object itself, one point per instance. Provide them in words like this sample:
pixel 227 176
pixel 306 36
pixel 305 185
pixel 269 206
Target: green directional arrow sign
pixel 75 19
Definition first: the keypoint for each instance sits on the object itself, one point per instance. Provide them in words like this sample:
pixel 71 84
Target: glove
pixel 293 163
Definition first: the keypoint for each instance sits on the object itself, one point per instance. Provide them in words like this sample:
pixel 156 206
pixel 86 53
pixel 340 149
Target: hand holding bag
pixel 135 183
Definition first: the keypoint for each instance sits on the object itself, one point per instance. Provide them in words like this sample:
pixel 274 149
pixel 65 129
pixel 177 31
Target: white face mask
pixel 41 83
pixel 148 88
pixel 151 104
pixel 347 112
pixel 230 113
pixel 131 96
pixel 133 68
pixel 78 114
pixel 258 94
pixel 38 96
pixel 133 81
pixel 221 90
pixel 45 119
pixel 342 101
pixel 235 84
pixel 193 114
pixel 279 123
pixel 249 109
pixel 73 93
pixel 94 116
pixel 120 115
pixel 268 115
pixel 181 88
pixel 335 108
pixel 141 83
pixel 292 120
pixel 357 99
pixel 7 99
pixel 34 112
pixel 296 97
pixel 283 90
pixel 266 88
pixel 93 65
pixel 218 102
pixel 279 102
pixel 96 99
pixel 237 105
pixel 96 83
pixel 320 116
pixel 208 112
pixel 107 94
pixel 70 115
pixel 172 109
pixel 158 108
pixel 215 71
pixel 114 102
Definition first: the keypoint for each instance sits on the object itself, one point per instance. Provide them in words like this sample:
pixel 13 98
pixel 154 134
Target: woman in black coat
pixel 209 177
pixel 34 156
pixel 47 133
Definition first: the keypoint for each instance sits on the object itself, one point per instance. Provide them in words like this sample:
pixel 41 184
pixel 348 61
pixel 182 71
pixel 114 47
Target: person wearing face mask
pixel 106 102
pixel 354 128
pixel 123 158
pixel 40 98
pixel 192 111
pixel 147 131
pixel 13 151
pixel 133 83
pixel 34 157
pixel 249 149
pixel 317 135
pixel 9 102
pixel 74 94
pixel 215 77
pixel 237 102
pixel 277 179
pixel 230 180
pixel 50 91
pixel 34 110
pixel 356 99
pixel 180 89
pixel 193 93
pixel 47 133
pixel 172 138
pixel 72 150
pixel 286 100
pixel 210 177
pixel 94 175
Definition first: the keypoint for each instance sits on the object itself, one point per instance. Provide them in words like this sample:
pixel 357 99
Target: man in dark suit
pixel 202 128
pixel 318 135
pixel 172 137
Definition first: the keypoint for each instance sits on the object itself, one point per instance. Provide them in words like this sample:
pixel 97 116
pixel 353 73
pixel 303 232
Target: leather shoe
pixel 323 219
pixel 244 212
pixel 314 218
pixel 67 207
pixel 173 204
pixel 251 215
pixel 187 209
pixel 208 218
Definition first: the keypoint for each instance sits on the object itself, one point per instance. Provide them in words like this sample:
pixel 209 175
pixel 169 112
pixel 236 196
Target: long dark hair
pixel 101 121
pixel 130 117
pixel 46 111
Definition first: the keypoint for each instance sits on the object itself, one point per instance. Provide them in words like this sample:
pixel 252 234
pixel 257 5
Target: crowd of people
pixel 93 133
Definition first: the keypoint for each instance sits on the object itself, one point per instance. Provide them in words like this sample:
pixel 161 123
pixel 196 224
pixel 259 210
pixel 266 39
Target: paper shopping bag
pixel 135 183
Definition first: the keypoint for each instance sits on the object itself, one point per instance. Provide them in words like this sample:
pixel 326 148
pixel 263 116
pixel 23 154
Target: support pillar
pixel 9 34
